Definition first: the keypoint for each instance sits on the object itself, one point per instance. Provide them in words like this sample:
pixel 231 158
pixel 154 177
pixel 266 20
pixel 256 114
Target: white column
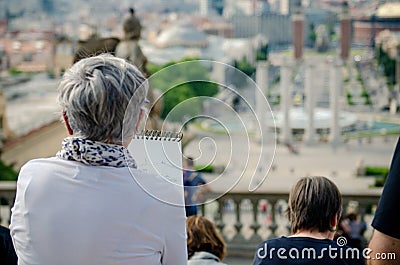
pixel 261 99
pixel 219 74
pixel 309 134
pixel 335 86
pixel 286 103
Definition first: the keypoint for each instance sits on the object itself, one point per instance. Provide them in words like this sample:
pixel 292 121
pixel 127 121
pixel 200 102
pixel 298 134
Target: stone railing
pixel 246 219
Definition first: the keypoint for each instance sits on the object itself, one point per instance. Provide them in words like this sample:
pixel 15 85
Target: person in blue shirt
pixel 194 185
pixel 314 209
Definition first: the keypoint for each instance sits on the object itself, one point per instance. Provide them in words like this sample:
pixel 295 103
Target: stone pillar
pixel 397 76
pixel 345 32
pixel 298 34
pixel 286 103
pixel 310 135
pixel 335 82
pixel 219 72
pixel 261 99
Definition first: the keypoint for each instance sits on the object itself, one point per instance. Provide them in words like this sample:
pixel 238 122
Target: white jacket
pixel 68 213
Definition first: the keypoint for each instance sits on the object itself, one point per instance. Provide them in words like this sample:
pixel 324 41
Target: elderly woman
pixel 84 206
pixel 315 206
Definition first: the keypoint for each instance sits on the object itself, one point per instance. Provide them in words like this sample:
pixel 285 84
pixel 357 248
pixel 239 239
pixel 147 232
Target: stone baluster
pixel 219 223
pixel 203 208
pixel 273 226
pixel 255 237
pixel 238 238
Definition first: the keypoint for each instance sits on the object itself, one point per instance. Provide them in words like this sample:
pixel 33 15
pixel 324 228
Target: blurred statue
pixel 322 40
pixel 129 49
pixel 95 46
pixel 132 26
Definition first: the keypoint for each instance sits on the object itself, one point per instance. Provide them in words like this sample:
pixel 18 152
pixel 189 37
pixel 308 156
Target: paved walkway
pixel 243 164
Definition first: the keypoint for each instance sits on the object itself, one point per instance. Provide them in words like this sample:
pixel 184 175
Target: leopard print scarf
pixel 95 153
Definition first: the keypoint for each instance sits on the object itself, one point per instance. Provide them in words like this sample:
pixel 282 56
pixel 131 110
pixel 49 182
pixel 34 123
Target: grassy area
pixel 357 135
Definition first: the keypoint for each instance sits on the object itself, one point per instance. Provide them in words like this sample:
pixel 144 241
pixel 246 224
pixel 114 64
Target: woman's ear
pixel 65 117
pixel 141 116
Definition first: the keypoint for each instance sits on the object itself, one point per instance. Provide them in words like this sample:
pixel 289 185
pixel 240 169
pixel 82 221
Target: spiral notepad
pixel 159 152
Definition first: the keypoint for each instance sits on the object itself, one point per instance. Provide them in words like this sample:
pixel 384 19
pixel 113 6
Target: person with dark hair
pixel 356 231
pixel 314 210
pixel 194 185
pixel 85 206
pixel 7 252
pixel 205 245
pixel 386 236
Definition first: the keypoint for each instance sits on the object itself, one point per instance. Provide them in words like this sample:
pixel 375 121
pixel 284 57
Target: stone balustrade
pixel 244 219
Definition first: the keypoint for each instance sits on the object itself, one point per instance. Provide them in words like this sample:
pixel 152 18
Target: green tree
pixel 388 64
pixel 262 53
pixel 180 83
pixel 312 34
pixel 7 172
pixel 245 66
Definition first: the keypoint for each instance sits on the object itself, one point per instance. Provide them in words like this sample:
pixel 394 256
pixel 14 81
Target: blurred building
pixel 63 54
pixel 215 26
pixel 4 59
pixel 208 7
pixel 276 27
pixel 315 16
pixel 365 28
pixel 29 51
pixel 181 34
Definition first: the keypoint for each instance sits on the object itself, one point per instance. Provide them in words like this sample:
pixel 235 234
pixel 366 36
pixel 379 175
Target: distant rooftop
pixel 389 10
pixel 182 35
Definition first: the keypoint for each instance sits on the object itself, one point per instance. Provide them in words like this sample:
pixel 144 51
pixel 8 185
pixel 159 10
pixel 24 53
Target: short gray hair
pixel 95 94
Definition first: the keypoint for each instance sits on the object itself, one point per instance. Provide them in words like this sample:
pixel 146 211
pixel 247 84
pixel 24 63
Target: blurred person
pixel 356 231
pixel 205 245
pixel 386 222
pixel 343 229
pixel 84 206
pixel 7 252
pixel 194 185
pixel 314 210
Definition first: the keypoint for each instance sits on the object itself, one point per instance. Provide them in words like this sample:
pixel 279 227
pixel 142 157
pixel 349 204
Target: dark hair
pixel 313 203
pixel 203 236
pixel 352 216
pixel 189 161
pixel 131 11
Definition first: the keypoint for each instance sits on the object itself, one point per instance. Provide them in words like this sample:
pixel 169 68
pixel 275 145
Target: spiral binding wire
pixel 160 135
